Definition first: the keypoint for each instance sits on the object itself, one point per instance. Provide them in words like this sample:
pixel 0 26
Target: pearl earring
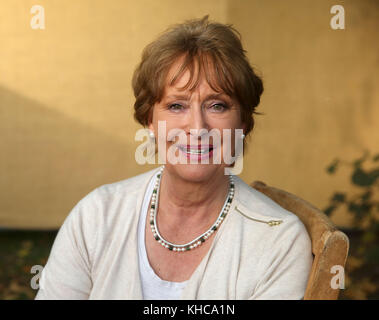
pixel 151 134
pixel 242 136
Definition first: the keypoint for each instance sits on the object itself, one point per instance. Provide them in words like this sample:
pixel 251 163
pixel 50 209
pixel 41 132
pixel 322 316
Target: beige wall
pixel 66 119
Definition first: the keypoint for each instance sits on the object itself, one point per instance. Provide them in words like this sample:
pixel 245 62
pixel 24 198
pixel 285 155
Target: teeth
pixel 195 151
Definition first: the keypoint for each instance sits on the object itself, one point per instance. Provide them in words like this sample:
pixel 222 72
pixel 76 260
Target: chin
pixel 196 172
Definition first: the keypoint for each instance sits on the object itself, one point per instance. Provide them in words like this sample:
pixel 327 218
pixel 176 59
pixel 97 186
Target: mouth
pixel 196 149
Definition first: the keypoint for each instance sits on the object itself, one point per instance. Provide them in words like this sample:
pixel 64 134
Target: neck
pixel 187 200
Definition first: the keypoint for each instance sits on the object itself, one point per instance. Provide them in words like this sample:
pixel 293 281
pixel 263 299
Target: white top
pixel 95 253
pixel 153 287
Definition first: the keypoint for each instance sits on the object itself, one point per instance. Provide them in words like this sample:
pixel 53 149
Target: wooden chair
pixel 329 245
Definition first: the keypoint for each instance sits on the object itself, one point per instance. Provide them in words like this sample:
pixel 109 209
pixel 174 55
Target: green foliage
pixel 19 251
pixel 363 205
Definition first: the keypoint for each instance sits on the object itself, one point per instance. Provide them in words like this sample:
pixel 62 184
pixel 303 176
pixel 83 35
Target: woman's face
pixel 183 110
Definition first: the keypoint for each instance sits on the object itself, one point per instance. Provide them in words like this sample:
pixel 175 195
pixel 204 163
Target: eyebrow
pixel 209 96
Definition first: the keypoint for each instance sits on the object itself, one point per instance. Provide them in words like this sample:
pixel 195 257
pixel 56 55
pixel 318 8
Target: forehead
pixel 192 73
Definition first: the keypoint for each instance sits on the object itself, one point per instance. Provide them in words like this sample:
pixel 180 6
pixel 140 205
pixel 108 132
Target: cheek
pixel 158 116
pixel 227 123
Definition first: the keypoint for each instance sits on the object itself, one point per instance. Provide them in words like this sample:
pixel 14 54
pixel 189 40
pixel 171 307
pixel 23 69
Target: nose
pixel 197 124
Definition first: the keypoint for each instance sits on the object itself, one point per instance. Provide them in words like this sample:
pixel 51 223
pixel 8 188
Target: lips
pixel 195 149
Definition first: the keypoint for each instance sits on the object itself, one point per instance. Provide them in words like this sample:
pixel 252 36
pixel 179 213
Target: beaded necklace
pixel 198 240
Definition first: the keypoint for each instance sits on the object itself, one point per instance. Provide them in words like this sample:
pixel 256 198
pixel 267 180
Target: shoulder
pixel 266 224
pixel 123 187
pixel 256 206
pixel 106 201
pixel 261 217
pixel 106 208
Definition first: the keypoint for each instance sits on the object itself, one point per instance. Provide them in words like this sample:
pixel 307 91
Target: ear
pixel 151 127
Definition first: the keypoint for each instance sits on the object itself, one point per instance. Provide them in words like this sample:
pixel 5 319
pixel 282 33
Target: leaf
pixel 374 174
pixel 366 196
pixel 363 179
pixel 332 167
pixel 329 210
pixel 359 209
pixel 339 197
pixel 358 163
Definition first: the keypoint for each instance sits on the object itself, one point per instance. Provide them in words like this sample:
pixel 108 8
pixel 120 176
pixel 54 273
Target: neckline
pixel 204 260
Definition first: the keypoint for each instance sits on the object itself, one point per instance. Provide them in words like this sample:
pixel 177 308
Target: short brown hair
pixel 203 43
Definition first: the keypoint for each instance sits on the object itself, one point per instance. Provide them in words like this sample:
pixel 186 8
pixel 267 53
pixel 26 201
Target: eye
pixel 175 107
pixel 218 107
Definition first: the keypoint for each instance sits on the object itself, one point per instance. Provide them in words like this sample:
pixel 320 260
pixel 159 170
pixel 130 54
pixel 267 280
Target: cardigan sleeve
pixel 287 263
pixel 67 273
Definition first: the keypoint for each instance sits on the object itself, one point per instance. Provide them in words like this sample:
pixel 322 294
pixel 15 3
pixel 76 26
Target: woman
pixel 186 230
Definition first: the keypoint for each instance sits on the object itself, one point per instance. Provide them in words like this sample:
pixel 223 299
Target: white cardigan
pixel 95 254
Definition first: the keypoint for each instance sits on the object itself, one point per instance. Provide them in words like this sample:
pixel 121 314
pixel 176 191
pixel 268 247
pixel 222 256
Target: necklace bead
pixel 197 241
